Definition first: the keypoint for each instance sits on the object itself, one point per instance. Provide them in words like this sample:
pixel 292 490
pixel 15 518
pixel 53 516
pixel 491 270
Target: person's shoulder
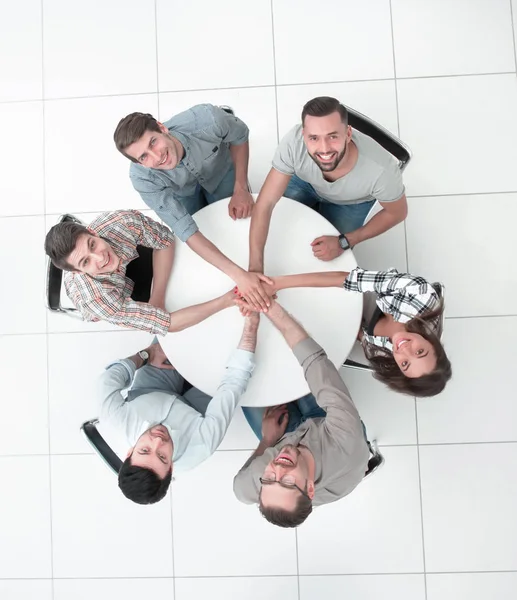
pixel 293 137
pixel 194 118
pixel 372 151
pixel 105 220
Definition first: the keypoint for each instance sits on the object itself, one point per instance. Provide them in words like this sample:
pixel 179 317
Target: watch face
pixel 343 242
pixel 144 355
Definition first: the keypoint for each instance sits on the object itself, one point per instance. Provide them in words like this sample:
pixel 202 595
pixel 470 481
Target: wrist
pixel 353 238
pixel 239 186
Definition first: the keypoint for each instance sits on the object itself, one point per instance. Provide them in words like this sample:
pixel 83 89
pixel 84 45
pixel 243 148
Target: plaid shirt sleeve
pixel 147 232
pixel 97 300
pixel 402 295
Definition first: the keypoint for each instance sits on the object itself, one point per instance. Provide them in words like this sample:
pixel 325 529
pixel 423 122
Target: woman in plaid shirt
pixel 402 337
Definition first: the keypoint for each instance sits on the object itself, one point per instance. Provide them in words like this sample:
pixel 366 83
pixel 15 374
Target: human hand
pixel 274 423
pixel 241 204
pixel 326 247
pixel 158 358
pixel 251 288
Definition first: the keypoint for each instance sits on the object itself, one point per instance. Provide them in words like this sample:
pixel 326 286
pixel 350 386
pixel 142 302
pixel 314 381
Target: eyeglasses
pixel 290 485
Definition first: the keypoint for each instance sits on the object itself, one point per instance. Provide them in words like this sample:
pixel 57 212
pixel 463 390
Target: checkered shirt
pixel 108 297
pixel 401 295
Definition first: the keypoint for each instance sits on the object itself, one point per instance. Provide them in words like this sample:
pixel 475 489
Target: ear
pixel 310 489
pixel 348 133
pixel 162 127
pixel 130 452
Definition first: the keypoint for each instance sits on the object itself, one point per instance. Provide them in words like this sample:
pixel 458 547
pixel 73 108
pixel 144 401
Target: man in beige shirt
pixel 319 462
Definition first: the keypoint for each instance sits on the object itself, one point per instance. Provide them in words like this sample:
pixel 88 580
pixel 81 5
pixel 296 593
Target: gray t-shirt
pixel 375 176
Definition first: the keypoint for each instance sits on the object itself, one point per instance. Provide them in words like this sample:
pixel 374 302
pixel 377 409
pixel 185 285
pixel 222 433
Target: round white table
pixel 331 316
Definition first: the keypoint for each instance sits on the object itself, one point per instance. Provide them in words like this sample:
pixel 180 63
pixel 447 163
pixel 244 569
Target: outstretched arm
pixel 271 192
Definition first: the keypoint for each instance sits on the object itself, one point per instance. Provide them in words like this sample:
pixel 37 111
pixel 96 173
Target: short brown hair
pixel 131 128
pixel 61 241
pixel 285 518
pixel 323 106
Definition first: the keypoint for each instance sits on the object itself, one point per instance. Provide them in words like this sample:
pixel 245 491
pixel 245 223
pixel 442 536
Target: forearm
pixel 292 331
pixel 326 279
pixel 380 223
pixel 240 158
pixel 192 315
pixel 207 251
pixel 162 265
pixel 249 336
pixel 259 228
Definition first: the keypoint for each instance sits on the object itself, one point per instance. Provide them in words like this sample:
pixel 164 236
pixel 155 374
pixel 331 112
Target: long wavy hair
pixel 385 368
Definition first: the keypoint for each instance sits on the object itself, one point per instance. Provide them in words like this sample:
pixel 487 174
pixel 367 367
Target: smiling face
pixel 156 150
pixel 93 256
pixel 153 450
pixel 414 355
pixel 326 139
pixel 289 468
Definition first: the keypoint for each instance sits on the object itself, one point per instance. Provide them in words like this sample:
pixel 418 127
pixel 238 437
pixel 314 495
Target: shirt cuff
pixel 350 282
pixel 185 227
pixel 242 359
pixel 306 348
pixel 129 366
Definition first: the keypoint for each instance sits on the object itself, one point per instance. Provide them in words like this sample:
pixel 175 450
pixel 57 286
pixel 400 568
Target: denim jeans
pixel 201 198
pixel 299 411
pixel 152 379
pixel 344 217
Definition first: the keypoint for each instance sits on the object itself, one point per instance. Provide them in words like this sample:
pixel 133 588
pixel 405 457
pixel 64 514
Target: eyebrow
pixel 316 135
pixel 423 355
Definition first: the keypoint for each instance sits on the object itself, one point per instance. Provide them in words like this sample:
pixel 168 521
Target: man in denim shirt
pixel 197 157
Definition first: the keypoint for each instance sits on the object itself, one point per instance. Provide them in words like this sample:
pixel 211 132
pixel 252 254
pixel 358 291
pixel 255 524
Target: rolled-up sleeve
pixel 224 402
pixel 160 198
pixel 112 307
pixel 327 387
pixel 116 378
pixel 229 128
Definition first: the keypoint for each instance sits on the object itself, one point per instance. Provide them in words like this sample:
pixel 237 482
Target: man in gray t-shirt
pixel 341 172
pixel 317 459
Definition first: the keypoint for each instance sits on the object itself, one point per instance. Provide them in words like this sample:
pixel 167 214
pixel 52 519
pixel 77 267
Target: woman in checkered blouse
pixel 401 335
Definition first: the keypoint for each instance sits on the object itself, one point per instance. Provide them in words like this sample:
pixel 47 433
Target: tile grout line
pixel 86 212
pixel 157 62
pixel 421 501
pixel 514 35
pixel 253 576
pixel 245 87
pixel 171 501
pixel 398 119
pixel 274 70
pixel 43 131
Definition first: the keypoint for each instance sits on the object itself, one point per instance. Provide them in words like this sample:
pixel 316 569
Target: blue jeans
pixel 299 411
pixel 152 379
pixel 344 217
pixel 201 198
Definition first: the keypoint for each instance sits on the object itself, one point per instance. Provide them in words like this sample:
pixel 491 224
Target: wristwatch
pixel 343 242
pixel 144 355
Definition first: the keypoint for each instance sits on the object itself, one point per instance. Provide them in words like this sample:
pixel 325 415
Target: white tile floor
pixel 439 521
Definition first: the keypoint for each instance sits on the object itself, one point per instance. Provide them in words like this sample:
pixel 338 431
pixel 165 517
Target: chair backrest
pixel 91 433
pixel 382 136
pixel 55 280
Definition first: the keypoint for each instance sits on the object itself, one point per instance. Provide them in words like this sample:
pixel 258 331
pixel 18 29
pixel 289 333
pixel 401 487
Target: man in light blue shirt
pixel 197 157
pixel 166 430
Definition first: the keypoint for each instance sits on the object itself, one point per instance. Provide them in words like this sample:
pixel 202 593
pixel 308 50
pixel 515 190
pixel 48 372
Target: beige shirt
pixel 337 441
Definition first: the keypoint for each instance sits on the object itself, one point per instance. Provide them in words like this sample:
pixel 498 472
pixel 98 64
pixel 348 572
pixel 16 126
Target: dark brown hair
pixel 61 241
pixel 285 518
pixel 323 106
pixel 142 485
pixel 131 128
pixel 385 368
